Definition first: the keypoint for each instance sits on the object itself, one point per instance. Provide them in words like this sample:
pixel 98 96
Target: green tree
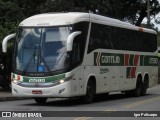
pixel 8 18
pixel 14 11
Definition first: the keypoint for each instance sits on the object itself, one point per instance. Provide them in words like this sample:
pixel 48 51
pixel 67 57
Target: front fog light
pixel 61 81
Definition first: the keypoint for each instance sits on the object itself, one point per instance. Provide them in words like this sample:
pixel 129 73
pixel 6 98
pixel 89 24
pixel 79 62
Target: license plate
pixel 36 91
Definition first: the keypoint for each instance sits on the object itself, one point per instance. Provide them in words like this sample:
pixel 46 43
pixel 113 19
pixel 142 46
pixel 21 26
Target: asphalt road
pixel 113 107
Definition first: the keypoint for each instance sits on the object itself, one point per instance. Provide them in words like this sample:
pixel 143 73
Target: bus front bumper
pixel 62 90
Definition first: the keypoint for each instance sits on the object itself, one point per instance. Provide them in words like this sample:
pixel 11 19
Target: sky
pixel 152 21
pixel 157 17
pixel 157 25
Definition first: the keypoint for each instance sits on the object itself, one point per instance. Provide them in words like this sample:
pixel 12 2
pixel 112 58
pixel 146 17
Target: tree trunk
pixel 142 16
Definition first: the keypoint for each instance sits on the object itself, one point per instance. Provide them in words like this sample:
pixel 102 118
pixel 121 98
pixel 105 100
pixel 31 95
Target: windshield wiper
pixel 33 56
pixel 46 65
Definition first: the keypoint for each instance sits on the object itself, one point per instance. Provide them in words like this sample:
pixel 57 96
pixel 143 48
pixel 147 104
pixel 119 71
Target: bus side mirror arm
pixel 70 40
pixel 5 40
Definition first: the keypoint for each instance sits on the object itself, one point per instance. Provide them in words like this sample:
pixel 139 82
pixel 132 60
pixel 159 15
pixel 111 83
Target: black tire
pixel 90 92
pixel 138 90
pixel 144 91
pixel 40 100
pixel 145 86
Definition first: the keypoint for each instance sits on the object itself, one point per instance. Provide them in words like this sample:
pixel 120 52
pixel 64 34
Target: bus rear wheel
pixel 138 90
pixel 40 100
pixel 144 90
pixel 145 86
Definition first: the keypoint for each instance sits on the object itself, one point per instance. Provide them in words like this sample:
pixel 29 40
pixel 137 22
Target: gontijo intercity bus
pixel 80 55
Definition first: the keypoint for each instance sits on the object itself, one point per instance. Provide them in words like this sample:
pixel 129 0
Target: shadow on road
pixel 69 102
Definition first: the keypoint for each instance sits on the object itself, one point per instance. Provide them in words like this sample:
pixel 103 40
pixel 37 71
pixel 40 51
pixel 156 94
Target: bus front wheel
pixel 40 100
pixel 90 92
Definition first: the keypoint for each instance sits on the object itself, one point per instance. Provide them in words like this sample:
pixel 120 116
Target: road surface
pixel 116 106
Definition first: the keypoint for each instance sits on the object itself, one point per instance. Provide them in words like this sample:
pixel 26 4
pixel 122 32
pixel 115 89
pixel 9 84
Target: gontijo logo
pixel 108 59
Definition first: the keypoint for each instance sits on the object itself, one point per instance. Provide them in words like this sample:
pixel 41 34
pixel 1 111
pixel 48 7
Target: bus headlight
pixel 66 79
pixel 16 81
pixel 61 81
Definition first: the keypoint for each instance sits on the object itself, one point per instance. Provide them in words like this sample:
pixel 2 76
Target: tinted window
pixel 109 37
pixel 79 43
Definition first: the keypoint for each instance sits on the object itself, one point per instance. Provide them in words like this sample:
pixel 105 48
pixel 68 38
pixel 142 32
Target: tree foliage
pixel 158 38
pixel 14 11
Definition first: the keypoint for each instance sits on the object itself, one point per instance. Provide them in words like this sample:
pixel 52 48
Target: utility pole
pixel 148 13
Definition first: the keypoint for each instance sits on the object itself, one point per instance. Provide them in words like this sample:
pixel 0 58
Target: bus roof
pixel 61 19
pixel 55 19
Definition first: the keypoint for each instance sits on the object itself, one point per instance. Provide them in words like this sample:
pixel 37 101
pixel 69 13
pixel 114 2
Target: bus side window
pixel 95 38
pixel 92 46
pixel 81 39
pixel 76 54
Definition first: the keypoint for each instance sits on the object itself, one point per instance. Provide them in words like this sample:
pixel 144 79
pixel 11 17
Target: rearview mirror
pixel 5 40
pixel 70 39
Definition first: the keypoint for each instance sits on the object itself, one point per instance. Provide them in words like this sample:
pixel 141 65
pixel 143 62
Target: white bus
pixel 81 54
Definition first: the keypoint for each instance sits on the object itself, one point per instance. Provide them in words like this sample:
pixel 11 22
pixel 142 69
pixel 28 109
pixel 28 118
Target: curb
pixel 6 95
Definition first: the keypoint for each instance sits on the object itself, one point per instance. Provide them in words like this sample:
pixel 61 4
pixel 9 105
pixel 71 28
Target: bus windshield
pixel 41 49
